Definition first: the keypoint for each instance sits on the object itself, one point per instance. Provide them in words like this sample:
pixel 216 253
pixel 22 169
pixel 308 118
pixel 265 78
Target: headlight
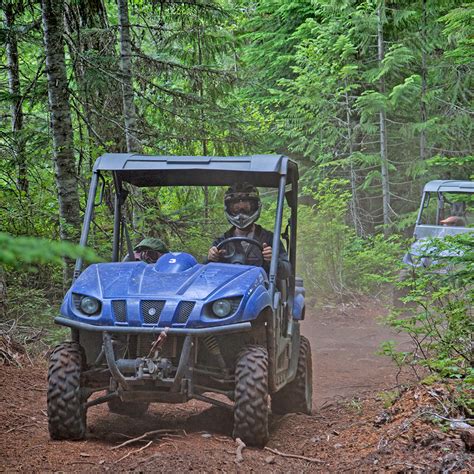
pixel 222 308
pixel 89 305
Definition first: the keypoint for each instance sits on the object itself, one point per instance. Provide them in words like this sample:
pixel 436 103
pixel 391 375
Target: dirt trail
pixel 339 436
pixel 345 340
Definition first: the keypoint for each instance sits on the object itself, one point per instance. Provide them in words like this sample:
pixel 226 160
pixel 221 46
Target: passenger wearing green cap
pixel 149 250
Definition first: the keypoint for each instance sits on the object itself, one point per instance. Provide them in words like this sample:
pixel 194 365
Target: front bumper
pixel 231 328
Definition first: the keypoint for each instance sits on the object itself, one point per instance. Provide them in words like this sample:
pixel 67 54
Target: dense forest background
pixel 371 98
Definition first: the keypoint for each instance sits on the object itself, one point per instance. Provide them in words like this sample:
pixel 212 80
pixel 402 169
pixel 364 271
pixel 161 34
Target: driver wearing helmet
pixel 242 208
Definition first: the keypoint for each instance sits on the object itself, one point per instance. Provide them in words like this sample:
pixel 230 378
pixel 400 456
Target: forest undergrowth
pixel 371 99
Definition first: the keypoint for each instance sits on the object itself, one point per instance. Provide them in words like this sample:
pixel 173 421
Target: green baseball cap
pixel 152 243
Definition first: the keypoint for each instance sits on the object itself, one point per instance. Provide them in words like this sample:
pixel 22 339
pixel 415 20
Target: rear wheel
pixel 66 405
pixel 251 396
pixel 297 396
pixel 133 409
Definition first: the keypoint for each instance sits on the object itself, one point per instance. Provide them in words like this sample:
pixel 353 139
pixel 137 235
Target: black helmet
pixel 242 192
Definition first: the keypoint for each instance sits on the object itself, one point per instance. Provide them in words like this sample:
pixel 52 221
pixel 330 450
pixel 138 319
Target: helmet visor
pixel 246 205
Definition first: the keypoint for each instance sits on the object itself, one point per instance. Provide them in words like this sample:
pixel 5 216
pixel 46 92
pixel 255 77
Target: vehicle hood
pixel 426 252
pixel 138 279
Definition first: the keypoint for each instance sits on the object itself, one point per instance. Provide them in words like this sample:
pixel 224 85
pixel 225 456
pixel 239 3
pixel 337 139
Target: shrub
pixel 438 315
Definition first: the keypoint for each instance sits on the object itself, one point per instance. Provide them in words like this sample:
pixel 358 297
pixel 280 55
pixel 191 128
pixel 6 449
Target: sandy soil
pixel 352 428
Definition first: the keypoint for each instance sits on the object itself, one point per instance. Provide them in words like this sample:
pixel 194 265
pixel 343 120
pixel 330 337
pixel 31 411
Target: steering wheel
pixel 235 253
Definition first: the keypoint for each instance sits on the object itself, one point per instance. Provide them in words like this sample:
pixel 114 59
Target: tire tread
pixel 66 407
pixel 251 396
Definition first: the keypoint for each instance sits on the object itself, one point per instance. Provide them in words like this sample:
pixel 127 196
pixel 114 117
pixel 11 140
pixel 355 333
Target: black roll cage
pixel 274 171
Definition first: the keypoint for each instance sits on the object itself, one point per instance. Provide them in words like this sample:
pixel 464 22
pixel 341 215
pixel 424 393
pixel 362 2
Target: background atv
pixel 441 200
pixel 178 330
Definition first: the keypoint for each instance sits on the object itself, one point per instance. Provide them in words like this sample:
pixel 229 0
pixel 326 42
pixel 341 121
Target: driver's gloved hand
pixel 214 255
pixel 266 252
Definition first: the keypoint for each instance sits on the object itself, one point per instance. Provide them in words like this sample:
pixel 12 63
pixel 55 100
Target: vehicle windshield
pixel 448 210
pixel 188 218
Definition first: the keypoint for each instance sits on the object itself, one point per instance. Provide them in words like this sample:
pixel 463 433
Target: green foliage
pixel 460 32
pixel 21 251
pixel 388 397
pixel 369 262
pixel 31 312
pixel 323 82
pixel 439 310
pixel 323 237
pixel 462 166
pixel 333 260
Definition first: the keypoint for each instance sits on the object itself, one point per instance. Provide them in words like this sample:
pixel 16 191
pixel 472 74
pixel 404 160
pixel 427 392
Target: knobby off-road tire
pixel 133 409
pixel 251 396
pixel 66 406
pixel 296 397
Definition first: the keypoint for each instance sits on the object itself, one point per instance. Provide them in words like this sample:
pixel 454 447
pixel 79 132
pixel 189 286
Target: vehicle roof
pixel 449 186
pixel 142 170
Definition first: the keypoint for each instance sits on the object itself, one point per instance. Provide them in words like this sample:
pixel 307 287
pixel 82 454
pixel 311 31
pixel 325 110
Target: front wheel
pixel 66 405
pixel 297 396
pixel 251 396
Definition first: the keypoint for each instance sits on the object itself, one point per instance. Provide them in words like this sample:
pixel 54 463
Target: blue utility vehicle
pixel 177 329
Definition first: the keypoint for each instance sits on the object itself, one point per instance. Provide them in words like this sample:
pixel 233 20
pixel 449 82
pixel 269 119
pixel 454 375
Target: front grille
pixel 120 310
pixel 184 310
pixel 151 311
pixel 76 299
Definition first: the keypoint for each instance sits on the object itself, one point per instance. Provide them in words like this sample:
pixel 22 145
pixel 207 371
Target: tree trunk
pixel 16 98
pixel 58 95
pixel 354 205
pixel 382 122
pixel 129 115
pixel 133 144
pixel 423 114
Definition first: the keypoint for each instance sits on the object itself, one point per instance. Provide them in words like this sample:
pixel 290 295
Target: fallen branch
pixel 133 452
pixel 238 453
pixel 451 420
pixel 138 438
pixel 385 439
pixel 295 456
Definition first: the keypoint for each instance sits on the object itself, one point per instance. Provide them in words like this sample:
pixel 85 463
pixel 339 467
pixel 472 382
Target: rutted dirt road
pixel 349 430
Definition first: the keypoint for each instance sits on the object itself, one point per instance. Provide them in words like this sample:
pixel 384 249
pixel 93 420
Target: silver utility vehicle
pixel 447 208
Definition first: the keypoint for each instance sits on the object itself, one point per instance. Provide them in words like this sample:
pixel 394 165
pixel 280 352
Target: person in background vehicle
pixel 149 250
pixel 453 221
pixel 242 207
